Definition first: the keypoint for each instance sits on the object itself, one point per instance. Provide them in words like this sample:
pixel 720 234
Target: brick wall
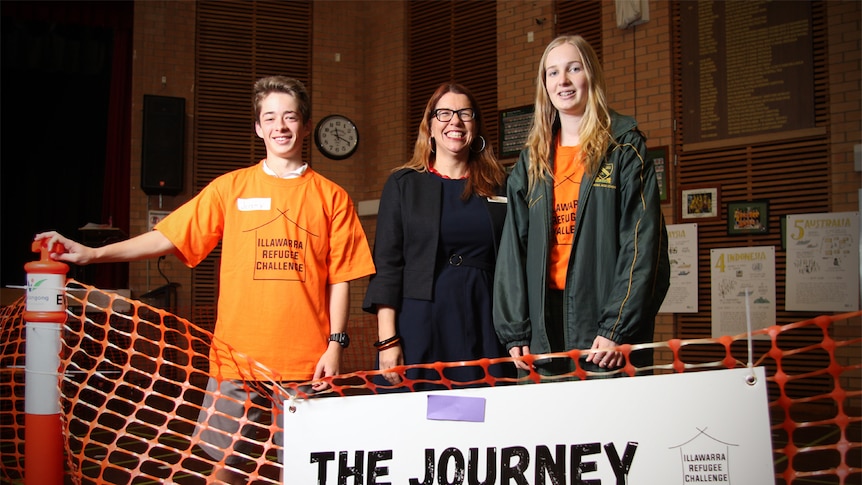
pixel 638 68
pixel 520 42
pixel 359 71
pixel 163 65
pixel 368 82
pixel 845 89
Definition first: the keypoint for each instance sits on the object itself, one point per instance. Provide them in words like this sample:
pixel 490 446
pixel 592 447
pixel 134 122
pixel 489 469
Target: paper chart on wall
pixel 823 262
pixel 743 284
pixel 682 251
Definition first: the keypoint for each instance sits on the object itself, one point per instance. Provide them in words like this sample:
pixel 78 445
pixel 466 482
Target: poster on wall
pixel 743 285
pixel 682 250
pixel 681 428
pixel 822 262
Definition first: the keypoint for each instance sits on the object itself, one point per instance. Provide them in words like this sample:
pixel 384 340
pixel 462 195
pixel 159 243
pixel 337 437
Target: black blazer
pixel 408 236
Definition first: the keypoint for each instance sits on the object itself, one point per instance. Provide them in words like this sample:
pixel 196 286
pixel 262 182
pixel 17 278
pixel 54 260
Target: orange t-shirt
pixel 568 171
pixel 283 242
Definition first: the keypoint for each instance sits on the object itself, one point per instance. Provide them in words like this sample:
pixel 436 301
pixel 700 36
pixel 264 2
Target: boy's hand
pixel 328 365
pixel 74 252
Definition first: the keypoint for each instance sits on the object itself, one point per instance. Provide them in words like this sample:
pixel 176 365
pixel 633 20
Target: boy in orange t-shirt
pixel 291 243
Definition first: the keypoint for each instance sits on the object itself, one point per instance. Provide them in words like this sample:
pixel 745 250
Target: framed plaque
pixel 514 126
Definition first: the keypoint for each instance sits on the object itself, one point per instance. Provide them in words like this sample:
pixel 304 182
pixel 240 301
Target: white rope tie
pixel 751 379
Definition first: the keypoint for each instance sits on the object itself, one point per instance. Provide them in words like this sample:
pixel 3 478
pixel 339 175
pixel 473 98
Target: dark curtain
pixel 115 197
pixel 66 114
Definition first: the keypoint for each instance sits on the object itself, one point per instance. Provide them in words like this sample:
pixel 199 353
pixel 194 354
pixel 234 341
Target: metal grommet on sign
pixel 456 260
pixel 751 379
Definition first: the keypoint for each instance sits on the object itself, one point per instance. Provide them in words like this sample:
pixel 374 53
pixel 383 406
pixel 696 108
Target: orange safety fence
pixel 135 377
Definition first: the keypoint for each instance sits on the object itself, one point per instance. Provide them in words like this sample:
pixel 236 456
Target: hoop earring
pixel 433 144
pixel 481 149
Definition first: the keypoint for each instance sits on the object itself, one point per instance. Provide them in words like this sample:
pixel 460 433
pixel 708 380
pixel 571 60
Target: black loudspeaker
pixel 163 145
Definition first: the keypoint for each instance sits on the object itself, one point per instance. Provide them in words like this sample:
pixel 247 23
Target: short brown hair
pixel 282 84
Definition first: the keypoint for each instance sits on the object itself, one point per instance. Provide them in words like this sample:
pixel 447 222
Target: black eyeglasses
pixel 445 115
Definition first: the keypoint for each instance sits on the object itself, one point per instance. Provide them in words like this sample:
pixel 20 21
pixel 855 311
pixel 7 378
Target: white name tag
pixel 499 199
pixel 256 204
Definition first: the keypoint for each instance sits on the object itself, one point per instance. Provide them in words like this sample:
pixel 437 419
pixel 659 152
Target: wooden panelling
pixel 581 17
pixel 452 41
pixel 792 173
pixel 238 43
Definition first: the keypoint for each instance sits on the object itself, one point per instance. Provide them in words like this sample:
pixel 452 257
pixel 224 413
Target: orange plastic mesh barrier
pixel 135 377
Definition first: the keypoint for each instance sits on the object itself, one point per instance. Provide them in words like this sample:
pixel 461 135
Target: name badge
pixel 255 204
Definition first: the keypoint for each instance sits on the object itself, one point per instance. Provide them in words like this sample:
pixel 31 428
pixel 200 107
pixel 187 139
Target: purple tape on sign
pixel 456 408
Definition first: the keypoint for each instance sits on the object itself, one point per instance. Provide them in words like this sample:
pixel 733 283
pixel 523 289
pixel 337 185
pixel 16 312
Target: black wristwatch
pixel 342 338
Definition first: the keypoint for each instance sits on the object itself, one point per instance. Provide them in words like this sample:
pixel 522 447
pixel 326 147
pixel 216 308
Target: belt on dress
pixel 459 260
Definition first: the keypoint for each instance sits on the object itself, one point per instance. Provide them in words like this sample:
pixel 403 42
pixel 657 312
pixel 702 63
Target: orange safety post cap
pixel 42 247
pixel 46 280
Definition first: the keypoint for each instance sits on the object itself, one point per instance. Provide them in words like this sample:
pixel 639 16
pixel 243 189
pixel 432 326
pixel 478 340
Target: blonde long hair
pixel 486 173
pixel 595 134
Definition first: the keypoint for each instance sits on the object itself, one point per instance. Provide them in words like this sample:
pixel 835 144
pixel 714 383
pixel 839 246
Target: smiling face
pixel 280 126
pixel 453 137
pixel 566 80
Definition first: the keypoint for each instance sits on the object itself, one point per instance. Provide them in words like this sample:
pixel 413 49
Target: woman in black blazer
pixel 440 220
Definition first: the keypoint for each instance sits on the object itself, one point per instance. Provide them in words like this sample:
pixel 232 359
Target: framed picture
pixel 749 217
pixel 659 159
pixel 699 203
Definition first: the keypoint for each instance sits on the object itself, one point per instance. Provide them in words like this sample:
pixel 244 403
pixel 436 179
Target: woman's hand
pixel 389 358
pixel 604 354
pixel 517 353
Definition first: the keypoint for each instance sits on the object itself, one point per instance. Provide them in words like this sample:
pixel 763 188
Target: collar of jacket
pixel 620 125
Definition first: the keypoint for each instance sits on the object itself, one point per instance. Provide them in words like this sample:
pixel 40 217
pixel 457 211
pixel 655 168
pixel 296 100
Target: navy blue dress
pixel 456 324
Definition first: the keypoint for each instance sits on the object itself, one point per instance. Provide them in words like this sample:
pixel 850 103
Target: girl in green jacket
pixel 583 263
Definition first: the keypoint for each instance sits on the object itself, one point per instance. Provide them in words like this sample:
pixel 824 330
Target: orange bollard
pixel 45 314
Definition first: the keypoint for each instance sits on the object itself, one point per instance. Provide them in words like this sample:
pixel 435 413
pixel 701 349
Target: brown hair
pixel 281 84
pixel 486 173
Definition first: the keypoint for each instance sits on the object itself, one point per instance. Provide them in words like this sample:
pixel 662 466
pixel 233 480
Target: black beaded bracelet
pixel 391 339
pixel 394 343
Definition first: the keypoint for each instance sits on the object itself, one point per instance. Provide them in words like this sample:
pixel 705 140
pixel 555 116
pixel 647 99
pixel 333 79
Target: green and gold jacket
pixel 619 270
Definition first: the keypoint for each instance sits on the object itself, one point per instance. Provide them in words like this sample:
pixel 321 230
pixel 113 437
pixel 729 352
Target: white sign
pixel 823 262
pixel 702 427
pixel 682 251
pixel 743 288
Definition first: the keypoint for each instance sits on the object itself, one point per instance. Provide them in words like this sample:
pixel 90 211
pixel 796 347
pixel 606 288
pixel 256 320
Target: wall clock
pixel 336 136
